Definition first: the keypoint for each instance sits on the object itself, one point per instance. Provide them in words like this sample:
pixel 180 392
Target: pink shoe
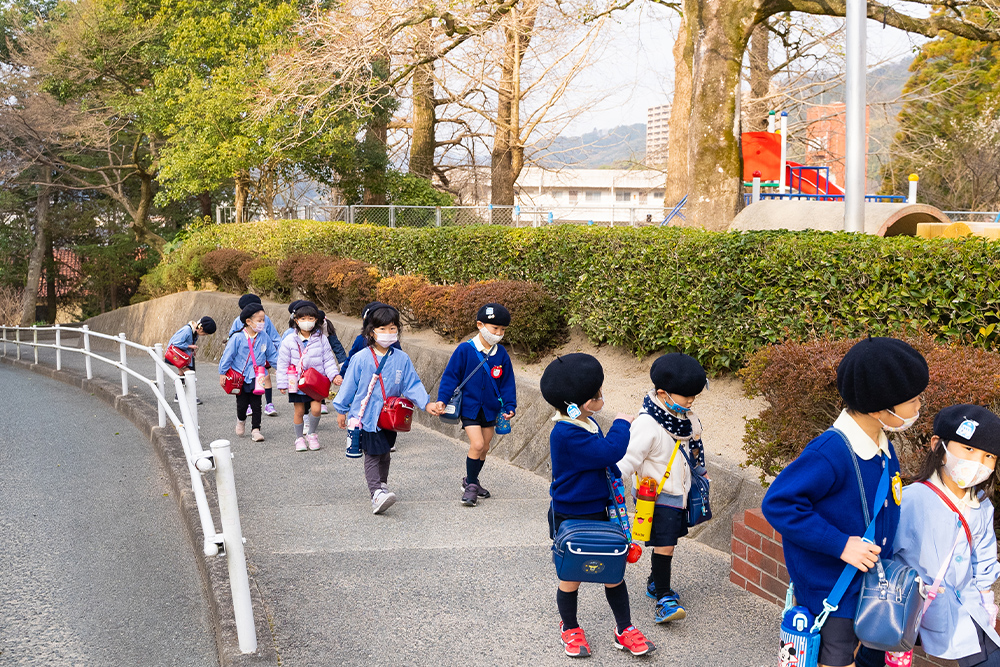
pixel 313 440
pixel 241 427
pixel 300 444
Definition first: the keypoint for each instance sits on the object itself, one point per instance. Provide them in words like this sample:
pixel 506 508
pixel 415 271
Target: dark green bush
pixel 717 296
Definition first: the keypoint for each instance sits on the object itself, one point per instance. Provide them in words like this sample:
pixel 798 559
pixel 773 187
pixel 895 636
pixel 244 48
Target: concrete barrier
pixel 527 446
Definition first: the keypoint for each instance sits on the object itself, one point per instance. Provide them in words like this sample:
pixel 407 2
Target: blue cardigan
pixel 359 344
pixel 815 505
pixel 579 457
pixel 479 392
pixel 269 329
pixel 399 377
pixel 237 354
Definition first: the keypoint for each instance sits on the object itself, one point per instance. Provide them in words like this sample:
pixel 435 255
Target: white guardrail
pixel 228 542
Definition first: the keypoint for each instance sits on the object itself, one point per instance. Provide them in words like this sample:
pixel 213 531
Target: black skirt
pixel 377 443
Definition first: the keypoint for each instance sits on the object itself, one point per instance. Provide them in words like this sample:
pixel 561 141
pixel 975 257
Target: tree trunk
pixel 760 79
pixel 140 219
pixel 423 141
pixel 680 120
pixel 205 201
pixel 720 30
pixel 51 281
pixel 242 179
pixel 30 295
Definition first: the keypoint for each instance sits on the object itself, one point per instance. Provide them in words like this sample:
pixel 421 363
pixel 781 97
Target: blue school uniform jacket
pixel 269 329
pixel 580 456
pixel 184 339
pixel 359 344
pixel 927 531
pixel 398 375
pixel 237 354
pixel 480 392
pixel 815 504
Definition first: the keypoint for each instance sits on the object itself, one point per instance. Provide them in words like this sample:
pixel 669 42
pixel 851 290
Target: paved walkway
pixel 96 568
pixel 433 582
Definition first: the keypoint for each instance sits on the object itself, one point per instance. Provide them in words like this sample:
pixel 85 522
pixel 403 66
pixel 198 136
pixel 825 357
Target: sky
pixel 636 70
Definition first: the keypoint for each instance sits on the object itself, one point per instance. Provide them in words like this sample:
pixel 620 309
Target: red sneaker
pixel 633 641
pixel 575 642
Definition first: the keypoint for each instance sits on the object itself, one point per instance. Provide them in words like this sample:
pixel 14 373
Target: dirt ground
pixel 722 408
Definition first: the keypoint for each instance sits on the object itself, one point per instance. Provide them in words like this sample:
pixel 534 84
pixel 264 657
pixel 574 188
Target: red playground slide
pixel 812 182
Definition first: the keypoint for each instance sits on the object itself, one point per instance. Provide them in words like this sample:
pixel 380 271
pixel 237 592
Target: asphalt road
pixel 95 568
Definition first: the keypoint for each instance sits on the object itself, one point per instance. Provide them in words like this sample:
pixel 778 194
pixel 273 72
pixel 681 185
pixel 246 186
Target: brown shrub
pixel 397 291
pixel 247 267
pixel 799 382
pixel 345 284
pixel 298 272
pixel 432 306
pixel 222 267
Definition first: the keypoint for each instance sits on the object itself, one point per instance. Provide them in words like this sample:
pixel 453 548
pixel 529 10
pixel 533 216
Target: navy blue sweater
pixel 579 457
pixel 359 344
pixel 479 393
pixel 815 505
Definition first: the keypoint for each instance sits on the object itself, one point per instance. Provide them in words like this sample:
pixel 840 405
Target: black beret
pixel 881 373
pixel 971 425
pixel 298 303
pixel 247 299
pixel 207 325
pixel 370 308
pixel 679 374
pixel 249 311
pixel 494 313
pixel 571 378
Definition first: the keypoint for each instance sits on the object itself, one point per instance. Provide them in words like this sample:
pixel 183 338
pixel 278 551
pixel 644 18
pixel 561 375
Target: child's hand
pixel 283 391
pixel 990 603
pixel 337 380
pixel 342 421
pixel 506 415
pixel 860 554
pixel 193 348
pixel 434 409
pixel 622 415
pixel 222 381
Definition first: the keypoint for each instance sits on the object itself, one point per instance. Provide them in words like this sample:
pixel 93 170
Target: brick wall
pixel 758 566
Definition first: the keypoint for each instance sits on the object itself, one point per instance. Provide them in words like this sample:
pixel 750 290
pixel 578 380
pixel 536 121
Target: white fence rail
pixel 228 542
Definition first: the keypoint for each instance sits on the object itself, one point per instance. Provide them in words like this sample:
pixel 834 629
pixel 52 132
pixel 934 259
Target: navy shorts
pixel 838 642
pixel 480 420
pixel 669 525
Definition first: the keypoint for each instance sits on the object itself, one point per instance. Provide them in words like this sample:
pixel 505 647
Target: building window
pixel 556 194
pixel 573 196
pixel 623 195
pixel 642 197
pixel 593 195
pixel 657 194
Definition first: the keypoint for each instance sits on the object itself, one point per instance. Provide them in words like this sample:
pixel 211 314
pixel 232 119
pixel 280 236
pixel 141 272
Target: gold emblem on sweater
pixel 897 489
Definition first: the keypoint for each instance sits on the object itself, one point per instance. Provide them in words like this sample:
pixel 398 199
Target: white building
pixel 657 134
pixel 592 195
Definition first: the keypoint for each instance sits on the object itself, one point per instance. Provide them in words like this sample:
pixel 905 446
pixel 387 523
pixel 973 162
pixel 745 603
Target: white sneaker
pixel 300 445
pixel 313 441
pixel 256 435
pixel 382 500
pixel 241 427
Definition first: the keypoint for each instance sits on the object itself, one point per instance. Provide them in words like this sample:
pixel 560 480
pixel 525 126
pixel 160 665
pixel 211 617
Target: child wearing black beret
pixel 664 426
pixel 490 390
pixel 814 502
pixel 581 454
pixel 273 337
pixel 951 495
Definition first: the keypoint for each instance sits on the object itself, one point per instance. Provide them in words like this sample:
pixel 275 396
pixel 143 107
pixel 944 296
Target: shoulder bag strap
pixel 371 385
pixel 378 370
pixel 252 358
pixel 666 473
pixel 493 381
pixel 942 496
pixel 482 361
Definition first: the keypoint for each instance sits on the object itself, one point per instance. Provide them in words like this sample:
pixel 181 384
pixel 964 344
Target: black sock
pixel 618 599
pixel 267 395
pixel 472 469
pixel 567 608
pixel 661 574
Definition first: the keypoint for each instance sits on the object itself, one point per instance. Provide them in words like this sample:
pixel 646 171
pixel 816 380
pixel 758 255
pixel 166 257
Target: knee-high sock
pixel 567 603
pixel 618 599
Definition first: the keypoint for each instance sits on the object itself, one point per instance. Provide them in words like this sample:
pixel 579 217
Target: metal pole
pixel 58 348
pixel 86 348
pixel 755 197
pixel 18 343
pixel 34 341
pixel 782 184
pixel 392 215
pixel 770 122
pixel 5 341
pixel 124 361
pixel 912 197
pixel 437 216
pixel 232 534
pixel 161 412
pixel 854 185
pixel 190 384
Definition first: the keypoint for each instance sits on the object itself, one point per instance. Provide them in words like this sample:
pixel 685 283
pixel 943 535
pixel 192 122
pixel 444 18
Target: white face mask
pixel 306 325
pixel 258 326
pixel 907 423
pixel 490 338
pixel 963 472
pixel 386 339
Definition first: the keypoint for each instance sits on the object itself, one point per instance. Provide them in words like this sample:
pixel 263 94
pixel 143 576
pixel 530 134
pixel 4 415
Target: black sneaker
pixel 469 497
pixel 483 493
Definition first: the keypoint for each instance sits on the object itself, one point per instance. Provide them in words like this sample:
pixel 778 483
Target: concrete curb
pixel 214 573
pixel 527 446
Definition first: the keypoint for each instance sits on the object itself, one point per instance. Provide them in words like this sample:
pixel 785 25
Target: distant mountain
pixel 620 146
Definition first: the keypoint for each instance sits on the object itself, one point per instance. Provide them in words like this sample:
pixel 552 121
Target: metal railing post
pixel 437 216
pixel 911 197
pixel 34 341
pixel 17 342
pixel 392 215
pixel 232 534
pixel 86 348
pixel 161 412
pixel 58 348
pixel 191 395
pixel 4 340
pixel 124 362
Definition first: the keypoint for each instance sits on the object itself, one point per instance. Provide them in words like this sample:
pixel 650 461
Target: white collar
pixel 968 500
pixel 589 425
pixel 863 446
pixel 479 346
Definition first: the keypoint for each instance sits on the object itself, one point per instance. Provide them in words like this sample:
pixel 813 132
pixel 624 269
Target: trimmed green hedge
pixel 717 296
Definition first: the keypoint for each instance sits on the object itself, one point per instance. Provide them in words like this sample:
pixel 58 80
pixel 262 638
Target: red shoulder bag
pixel 312 383
pixel 175 356
pixel 397 412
